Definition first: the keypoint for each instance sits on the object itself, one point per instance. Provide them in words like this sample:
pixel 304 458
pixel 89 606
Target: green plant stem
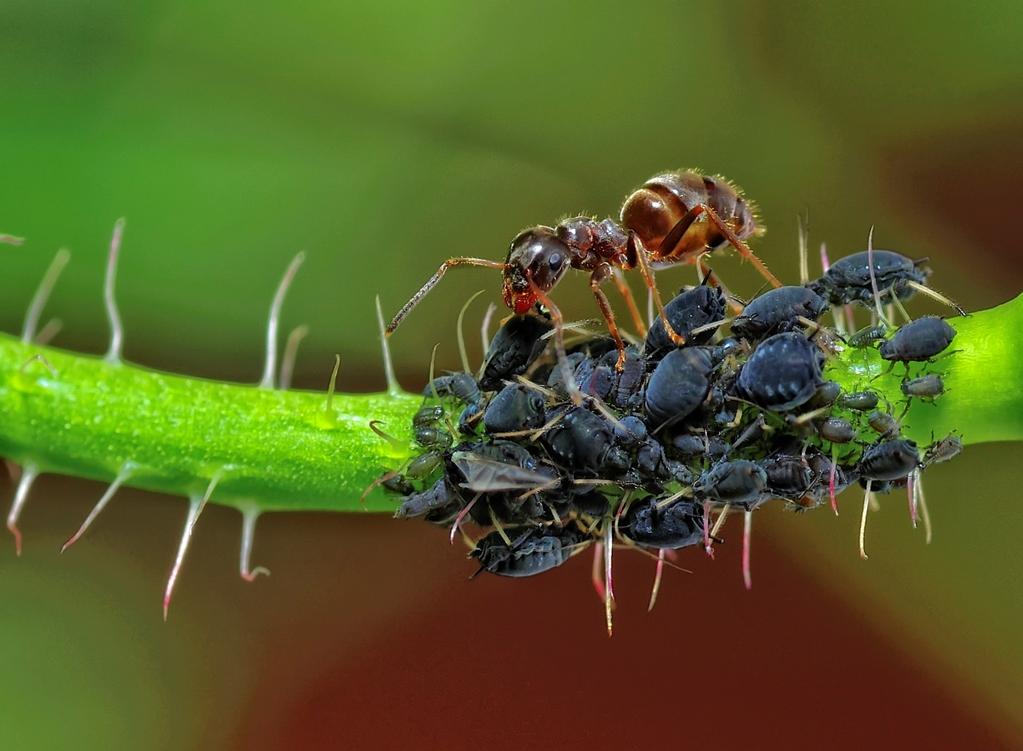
pixel 78 415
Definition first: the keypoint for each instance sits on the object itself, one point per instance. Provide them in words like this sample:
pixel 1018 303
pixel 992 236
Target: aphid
pixel 883 423
pixel 500 466
pixel 737 482
pixel 778 310
pixel 695 308
pixel 469 419
pixel 836 430
pixel 866 336
pixel 431 414
pixel 826 394
pixel 943 450
pixel 630 431
pixel 436 498
pixel 926 386
pixel 432 437
pixel 848 279
pixel 678 385
pixel 783 372
pixel 581 440
pixel 460 386
pixel 677 526
pixel 889 460
pixel 918 340
pixel 789 476
pixel 515 347
pixel 514 408
pixel 674 218
pixel 535 551
pixel 860 401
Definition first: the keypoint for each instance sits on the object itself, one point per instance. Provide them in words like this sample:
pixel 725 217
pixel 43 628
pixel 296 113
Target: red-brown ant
pixel 674 218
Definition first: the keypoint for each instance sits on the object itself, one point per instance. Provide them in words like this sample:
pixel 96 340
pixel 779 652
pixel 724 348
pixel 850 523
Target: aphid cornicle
pixel 918 340
pixel 674 218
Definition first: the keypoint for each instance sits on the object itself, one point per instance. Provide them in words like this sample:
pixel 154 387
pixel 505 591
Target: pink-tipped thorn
pixel 831 486
pixel 595 575
pixel 911 497
pixel 825 261
pixel 747 534
pixel 461 516
pixel 109 300
pixel 707 547
pixel 195 507
pixel 122 476
pixel 249 574
pixel 657 580
pixel 609 590
pixel 29 474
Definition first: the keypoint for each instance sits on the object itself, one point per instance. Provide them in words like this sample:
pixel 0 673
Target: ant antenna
pixel 460 335
pixel 290 353
pixel 29 473
pixel 113 355
pixel 250 514
pixel 393 387
pixel 127 469
pixel 432 282
pixel 196 504
pixel 46 285
pixel 267 381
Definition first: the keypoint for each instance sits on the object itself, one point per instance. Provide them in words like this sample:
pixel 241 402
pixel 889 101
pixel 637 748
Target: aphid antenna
pixel 554 513
pixel 196 504
pixel 747 534
pixel 825 261
pixel 658 572
pixel 686 492
pixel 720 522
pixel 273 320
pixel 113 355
pixel 812 415
pixel 709 326
pixel 38 358
pixel 582 327
pixel 708 548
pixel 873 276
pixel 457 525
pixel 499 527
pixel 460 334
pixel 295 337
pixel 803 220
pixel 42 294
pixel 250 515
pixel 123 475
pixel 925 516
pixel 548 393
pixel 935 295
pixel 609 592
pixel 553 483
pixel 911 496
pixel 48 332
pixel 863 519
pixel 627 544
pixel 831 479
pixel 29 473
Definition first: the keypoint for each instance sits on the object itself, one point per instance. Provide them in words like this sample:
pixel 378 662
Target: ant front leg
pixel 630 301
pixel 637 251
pixel 432 282
pixel 567 374
pixel 596 278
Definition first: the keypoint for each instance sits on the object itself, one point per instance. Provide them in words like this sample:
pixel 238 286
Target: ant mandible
pixel 674 218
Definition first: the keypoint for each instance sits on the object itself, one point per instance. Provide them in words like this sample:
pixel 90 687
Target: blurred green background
pixel 382 138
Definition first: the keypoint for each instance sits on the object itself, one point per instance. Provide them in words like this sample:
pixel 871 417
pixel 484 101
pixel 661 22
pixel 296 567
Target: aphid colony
pixel 665 443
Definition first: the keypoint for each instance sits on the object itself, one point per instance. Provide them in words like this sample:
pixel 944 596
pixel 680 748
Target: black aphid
pixel 515 347
pixel 783 372
pixel 515 407
pixel 692 309
pixel 678 385
pixel 460 386
pixel 677 526
pixel 861 401
pixel 836 430
pixel 778 310
pixel 736 482
pixel 919 340
pixel 926 386
pixel 848 279
pixel 889 460
pixel 533 552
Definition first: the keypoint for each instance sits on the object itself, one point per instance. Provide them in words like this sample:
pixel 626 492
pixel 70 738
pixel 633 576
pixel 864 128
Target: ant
pixel 673 218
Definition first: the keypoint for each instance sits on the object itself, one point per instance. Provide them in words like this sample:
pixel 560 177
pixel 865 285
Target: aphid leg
pixel 911 496
pixel 567 374
pixel 831 478
pixel 457 525
pixel 460 335
pixel 500 529
pixel 376 484
pixel 720 521
pixel 934 295
pixel 609 319
pixel 113 355
pixel 11 239
pixel 29 473
pixel 804 254
pixel 651 283
pixel 596 575
pixel 747 534
pixel 924 515
pixel 432 282
pixel 122 476
pixel 657 580
pixel 35 308
pixel 49 331
pixel 196 504
pixel 630 302
pixel 249 516
pixel 295 338
pixel 739 245
pixel 863 521
pixel 270 365
pixel 707 547
pixel 609 593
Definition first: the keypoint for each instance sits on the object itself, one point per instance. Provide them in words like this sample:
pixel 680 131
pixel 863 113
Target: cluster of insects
pixel 566 439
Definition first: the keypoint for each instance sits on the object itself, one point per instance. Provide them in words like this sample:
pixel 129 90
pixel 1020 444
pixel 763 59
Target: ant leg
pixel 432 282
pixel 567 374
pixel 648 276
pixel 270 365
pixel 35 308
pixel 739 245
pixel 715 281
pixel 630 301
pixel 609 318
pixel 113 355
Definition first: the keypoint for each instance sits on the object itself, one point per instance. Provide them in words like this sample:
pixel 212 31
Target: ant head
pixel 537 260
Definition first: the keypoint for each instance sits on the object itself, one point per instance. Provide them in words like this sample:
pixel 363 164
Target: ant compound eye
pixel 555 262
